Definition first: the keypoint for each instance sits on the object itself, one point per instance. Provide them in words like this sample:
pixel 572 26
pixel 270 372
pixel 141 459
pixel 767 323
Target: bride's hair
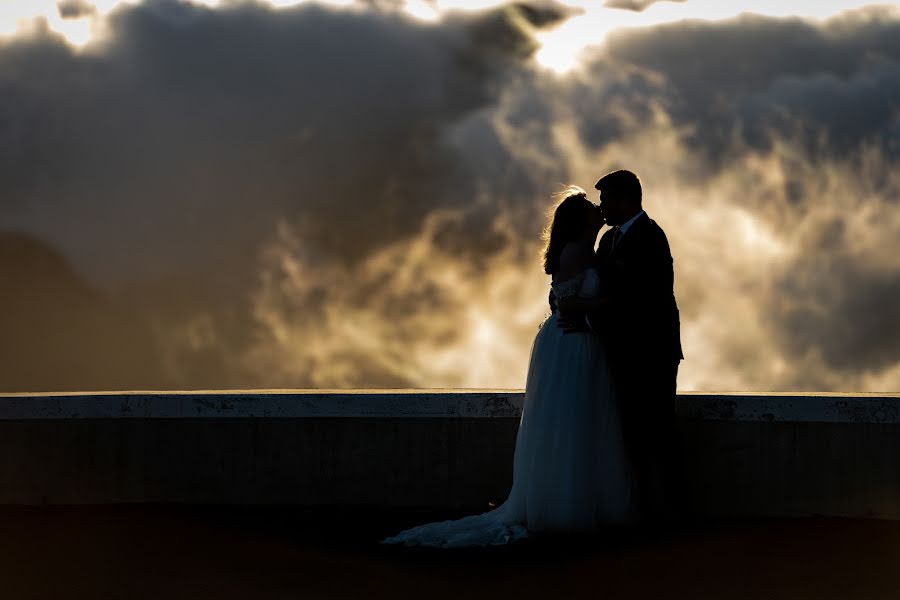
pixel 566 225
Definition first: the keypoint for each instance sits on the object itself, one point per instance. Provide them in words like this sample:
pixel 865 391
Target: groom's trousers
pixel 646 394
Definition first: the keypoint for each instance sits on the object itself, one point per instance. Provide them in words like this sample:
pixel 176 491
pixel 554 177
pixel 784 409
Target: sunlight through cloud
pixel 560 47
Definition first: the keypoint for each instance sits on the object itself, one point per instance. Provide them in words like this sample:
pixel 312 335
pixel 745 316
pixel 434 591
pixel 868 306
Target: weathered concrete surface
pixel 787 407
pixel 761 454
pixel 264 403
pixel 768 407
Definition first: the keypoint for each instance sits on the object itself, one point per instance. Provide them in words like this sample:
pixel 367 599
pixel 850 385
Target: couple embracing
pixel 597 443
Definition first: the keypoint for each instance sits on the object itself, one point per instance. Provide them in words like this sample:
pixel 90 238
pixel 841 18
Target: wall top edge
pixel 413 392
pixel 781 407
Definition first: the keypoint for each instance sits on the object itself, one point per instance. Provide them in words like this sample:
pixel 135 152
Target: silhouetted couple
pixel 597 443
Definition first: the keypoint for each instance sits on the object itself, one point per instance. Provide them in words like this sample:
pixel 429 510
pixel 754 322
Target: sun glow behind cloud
pixel 560 47
pixel 23 16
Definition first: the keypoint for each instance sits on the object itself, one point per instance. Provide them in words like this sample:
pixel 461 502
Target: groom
pixel 638 320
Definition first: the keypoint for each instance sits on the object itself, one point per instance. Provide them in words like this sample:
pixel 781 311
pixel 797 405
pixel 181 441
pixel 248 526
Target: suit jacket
pixel 642 321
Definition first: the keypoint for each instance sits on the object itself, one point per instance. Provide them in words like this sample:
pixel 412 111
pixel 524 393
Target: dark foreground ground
pixel 127 552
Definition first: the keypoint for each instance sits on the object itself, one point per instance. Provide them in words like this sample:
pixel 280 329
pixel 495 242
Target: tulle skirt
pixel 570 471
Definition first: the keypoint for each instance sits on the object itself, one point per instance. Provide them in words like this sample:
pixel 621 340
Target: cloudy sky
pixel 351 193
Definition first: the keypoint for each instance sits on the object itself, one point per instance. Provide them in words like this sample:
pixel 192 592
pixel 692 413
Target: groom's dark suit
pixel 641 330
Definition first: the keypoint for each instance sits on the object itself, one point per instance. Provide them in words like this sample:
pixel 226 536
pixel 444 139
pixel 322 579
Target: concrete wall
pixel 758 454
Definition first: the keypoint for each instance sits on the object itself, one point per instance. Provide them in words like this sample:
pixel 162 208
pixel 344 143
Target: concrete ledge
pixel 264 404
pixel 747 454
pixel 767 407
pixel 791 408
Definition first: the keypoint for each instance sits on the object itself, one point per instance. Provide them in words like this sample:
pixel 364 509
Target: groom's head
pixel 620 196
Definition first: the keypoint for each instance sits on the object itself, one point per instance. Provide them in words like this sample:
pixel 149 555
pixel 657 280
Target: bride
pixel 570 472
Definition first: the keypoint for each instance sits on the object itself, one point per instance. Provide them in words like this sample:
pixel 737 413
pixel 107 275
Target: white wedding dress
pixel 570 471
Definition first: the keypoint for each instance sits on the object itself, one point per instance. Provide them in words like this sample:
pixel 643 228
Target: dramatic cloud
pixel 757 80
pixel 244 196
pixel 75 9
pixel 809 126
pixel 635 5
pixel 162 160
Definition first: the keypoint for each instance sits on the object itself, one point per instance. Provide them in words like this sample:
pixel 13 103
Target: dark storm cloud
pixel 160 159
pixel 59 333
pixel 757 79
pixel 635 5
pixel 244 113
pixel 846 311
pixel 75 9
pixel 837 298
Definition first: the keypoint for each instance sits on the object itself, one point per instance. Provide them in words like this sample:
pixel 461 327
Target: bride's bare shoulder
pixel 574 258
